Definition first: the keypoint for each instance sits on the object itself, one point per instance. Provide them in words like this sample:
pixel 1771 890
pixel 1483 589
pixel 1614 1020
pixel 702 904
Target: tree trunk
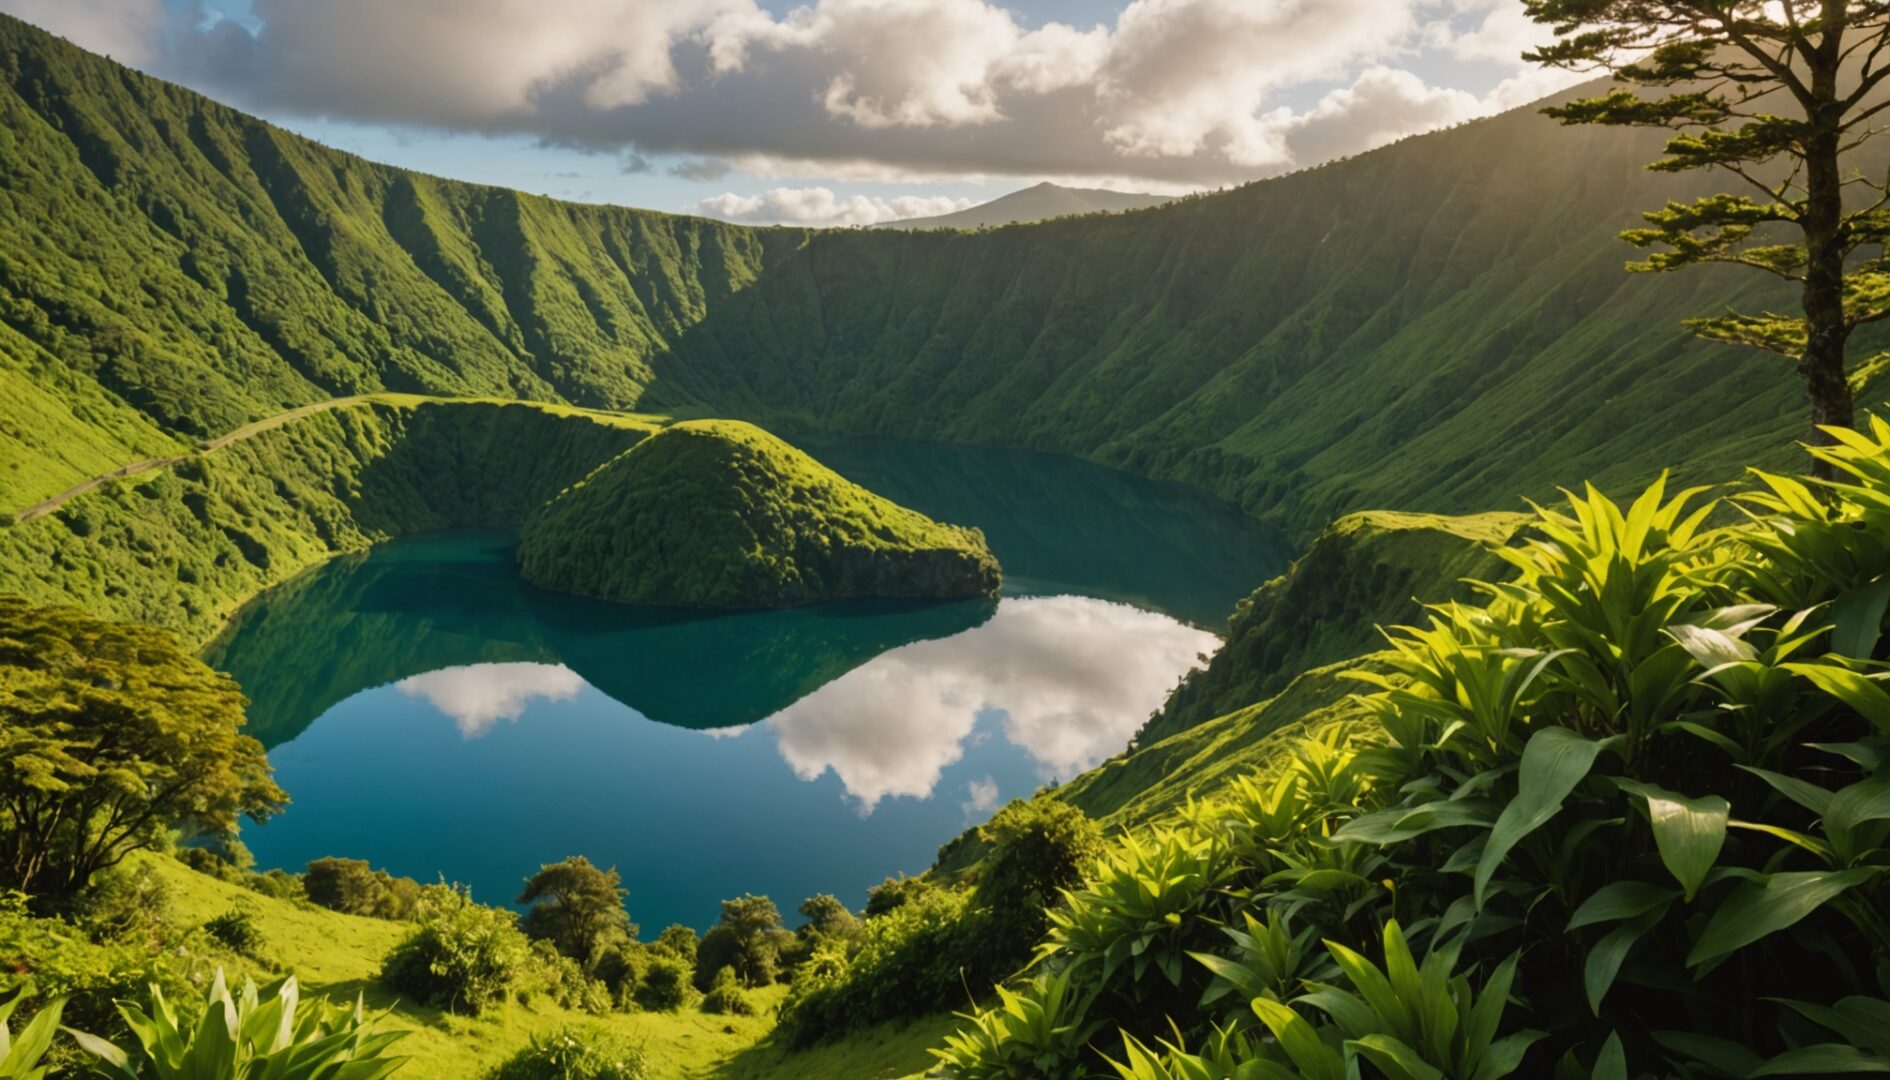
pixel 1822 365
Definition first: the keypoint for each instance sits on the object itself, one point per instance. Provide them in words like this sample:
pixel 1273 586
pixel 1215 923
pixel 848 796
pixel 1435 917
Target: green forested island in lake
pixel 719 513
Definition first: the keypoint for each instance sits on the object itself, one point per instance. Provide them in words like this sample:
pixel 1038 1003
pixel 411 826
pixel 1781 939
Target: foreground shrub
pixel 353 887
pixel 128 904
pixel 749 938
pixel 1037 849
pixel 561 978
pixel 572 1054
pixel 666 985
pixel 258 1033
pixel 237 930
pixel 910 962
pixel 1639 798
pixel 576 907
pixel 1042 1032
pixel 725 995
pixel 49 960
pixel 461 957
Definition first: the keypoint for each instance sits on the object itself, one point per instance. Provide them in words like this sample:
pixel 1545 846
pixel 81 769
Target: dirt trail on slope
pixel 269 423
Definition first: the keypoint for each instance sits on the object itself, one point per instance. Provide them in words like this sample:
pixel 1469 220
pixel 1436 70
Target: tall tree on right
pixel 1776 94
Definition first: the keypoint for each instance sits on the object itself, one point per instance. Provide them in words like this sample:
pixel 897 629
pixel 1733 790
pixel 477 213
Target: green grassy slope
pixel 340 955
pixel 1365 571
pixel 718 513
pixel 1282 672
pixel 1325 342
pixel 182 547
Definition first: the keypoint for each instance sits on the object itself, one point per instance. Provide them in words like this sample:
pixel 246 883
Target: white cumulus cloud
pixel 819 206
pixel 1165 94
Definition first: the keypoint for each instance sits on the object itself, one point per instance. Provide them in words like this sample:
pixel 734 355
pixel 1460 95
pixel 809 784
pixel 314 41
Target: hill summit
pixel 718 513
pixel 1039 203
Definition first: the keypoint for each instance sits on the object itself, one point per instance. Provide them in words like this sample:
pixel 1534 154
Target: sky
pixel 833 112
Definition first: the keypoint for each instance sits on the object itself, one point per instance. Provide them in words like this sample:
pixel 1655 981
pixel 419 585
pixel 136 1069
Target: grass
pixel 339 956
pixel 1365 571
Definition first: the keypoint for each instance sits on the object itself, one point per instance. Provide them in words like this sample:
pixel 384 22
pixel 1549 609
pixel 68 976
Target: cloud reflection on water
pixel 478 696
pixel 1071 677
pixel 1067 679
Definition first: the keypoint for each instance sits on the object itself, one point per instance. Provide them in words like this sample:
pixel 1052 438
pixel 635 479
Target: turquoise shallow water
pixel 430 712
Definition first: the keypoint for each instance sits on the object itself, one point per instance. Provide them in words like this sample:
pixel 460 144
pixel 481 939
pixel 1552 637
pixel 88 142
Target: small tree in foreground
pixel 109 736
pixel 1775 93
pixel 576 907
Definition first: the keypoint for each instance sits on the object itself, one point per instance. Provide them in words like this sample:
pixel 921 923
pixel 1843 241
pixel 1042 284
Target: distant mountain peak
pixel 1035 203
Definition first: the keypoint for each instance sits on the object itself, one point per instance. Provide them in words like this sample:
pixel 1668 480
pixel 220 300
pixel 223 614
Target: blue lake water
pixel 430 712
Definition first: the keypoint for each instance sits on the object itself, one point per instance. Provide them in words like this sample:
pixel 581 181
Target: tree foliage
pixel 576 907
pixel 110 735
pixel 1778 94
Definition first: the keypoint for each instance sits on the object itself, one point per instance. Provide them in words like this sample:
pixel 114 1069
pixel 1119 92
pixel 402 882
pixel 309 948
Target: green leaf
pixel 1824 1058
pixel 1310 1054
pixel 1710 648
pixel 1858 804
pixel 1553 762
pixel 1688 832
pixel 1860 693
pixel 1619 900
pixel 1858 619
pixel 1612 1064
pixel 1395 1059
pixel 1769 904
pixel 1728 1057
pixel 1808 795
pixel 1605 959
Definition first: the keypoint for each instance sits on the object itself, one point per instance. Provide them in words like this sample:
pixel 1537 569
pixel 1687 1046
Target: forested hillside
pixel 1435 326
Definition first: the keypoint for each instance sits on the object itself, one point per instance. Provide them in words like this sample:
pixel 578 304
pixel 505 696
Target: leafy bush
pixel 1039 1033
pixel 1038 849
pixel 566 982
pixel 678 941
pixel 128 904
pixel 353 887
pixel 893 892
pixel 749 938
pixel 572 1054
pixel 237 929
pixel 910 962
pixel 666 985
pixel 1637 796
pixel 461 957
pixel 576 907
pixel 725 995
pixel 267 1032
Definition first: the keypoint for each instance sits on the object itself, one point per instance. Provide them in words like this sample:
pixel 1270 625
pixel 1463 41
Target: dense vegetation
pixel 1326 342
pixel 110 735
pixel 1620 812
pixel 183 547
pixel 1363 572
pixel 718 513
pixel 1625 814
